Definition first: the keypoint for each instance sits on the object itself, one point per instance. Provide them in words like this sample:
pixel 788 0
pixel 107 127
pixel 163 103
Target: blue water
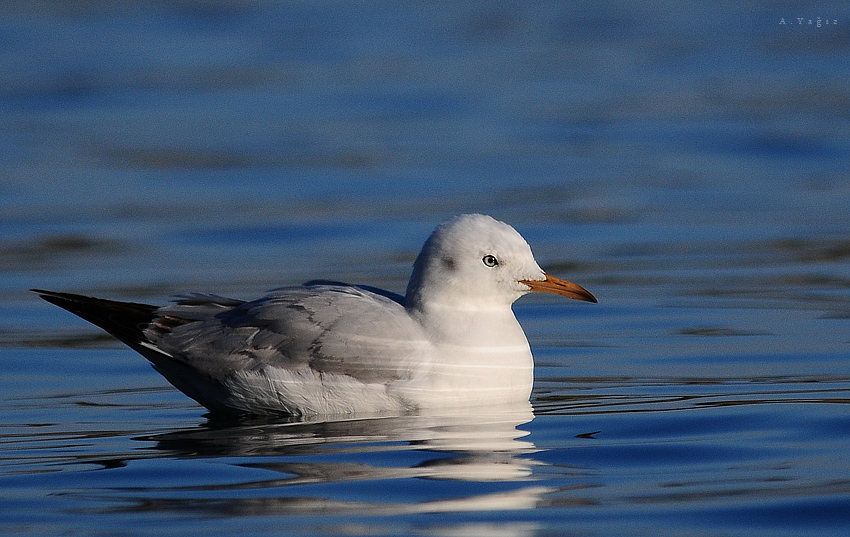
pixel 688 165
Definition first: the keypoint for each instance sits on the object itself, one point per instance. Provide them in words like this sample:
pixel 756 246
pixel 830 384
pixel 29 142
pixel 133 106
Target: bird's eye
pixel 490 261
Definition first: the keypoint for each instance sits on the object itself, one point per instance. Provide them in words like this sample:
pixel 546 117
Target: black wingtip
pixel 48 295
pixel 124 320
pixel 63 300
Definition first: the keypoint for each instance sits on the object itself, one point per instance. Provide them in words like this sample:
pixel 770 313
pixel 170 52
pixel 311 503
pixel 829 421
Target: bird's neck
pixel 474 327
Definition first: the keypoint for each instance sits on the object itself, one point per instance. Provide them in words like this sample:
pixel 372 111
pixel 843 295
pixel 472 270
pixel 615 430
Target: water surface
pixel 689 168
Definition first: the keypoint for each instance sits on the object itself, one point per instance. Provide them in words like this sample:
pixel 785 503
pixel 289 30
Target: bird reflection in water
pixel 484 447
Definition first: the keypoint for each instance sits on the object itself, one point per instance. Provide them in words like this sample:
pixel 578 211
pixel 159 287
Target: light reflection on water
pixel 603 445
pixel 610 445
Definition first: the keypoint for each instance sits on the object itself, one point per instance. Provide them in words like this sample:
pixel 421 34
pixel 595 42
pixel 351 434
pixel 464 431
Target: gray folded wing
pixel 336 329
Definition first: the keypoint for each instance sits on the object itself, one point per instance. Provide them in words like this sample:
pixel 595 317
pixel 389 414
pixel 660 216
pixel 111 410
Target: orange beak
pixel 560 287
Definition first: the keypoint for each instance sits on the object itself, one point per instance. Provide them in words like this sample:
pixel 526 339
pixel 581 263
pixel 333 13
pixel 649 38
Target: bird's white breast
pixel 480 357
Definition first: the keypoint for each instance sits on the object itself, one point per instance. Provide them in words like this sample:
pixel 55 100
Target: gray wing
pixel 328 328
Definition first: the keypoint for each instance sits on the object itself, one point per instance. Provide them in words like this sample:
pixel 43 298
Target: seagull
pixel 331 348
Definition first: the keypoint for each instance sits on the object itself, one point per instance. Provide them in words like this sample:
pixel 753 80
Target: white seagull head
pixel 476 262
